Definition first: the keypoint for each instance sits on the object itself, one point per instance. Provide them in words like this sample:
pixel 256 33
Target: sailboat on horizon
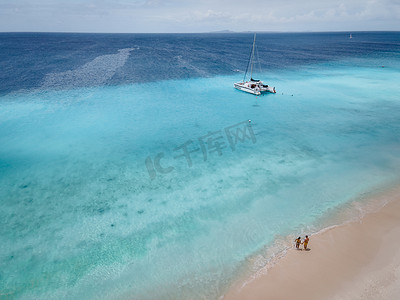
pixel 253 86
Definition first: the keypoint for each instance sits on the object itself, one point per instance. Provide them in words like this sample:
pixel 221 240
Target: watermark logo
pixel 209 144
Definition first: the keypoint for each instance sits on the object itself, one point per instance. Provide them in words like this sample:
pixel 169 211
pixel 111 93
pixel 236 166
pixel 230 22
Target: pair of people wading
pixel 305 242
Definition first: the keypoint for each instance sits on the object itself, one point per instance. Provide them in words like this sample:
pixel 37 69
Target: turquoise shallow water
pixel 83 217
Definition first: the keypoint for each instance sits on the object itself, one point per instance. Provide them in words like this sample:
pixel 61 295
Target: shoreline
pixel 357 259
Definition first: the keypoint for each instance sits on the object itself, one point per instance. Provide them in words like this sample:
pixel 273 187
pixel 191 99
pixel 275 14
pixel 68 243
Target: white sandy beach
pixel 357 260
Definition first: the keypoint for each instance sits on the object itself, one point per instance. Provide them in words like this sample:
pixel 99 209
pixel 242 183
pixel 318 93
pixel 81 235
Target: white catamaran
pixel 253 86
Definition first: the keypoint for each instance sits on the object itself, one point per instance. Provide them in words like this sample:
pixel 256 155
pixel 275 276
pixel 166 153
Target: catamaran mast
pixel 252 57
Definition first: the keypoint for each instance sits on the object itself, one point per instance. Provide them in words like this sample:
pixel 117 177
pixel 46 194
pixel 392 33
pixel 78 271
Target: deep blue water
pixel 26 58
pixel 99 198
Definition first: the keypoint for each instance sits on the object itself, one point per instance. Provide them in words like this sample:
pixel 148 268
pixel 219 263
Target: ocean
pixel 130 168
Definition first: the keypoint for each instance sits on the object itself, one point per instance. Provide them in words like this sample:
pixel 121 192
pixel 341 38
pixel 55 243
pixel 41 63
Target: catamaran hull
pixel 255 91
pixel 247 89
pixel 268 89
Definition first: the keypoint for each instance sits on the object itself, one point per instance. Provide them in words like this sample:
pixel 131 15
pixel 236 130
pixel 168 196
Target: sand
pixel 357 260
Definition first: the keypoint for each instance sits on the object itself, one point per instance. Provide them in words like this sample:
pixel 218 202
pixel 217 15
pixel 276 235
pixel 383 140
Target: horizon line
pixel 202 32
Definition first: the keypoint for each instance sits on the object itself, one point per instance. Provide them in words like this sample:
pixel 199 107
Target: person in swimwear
pixel 306 240
pixel 298 242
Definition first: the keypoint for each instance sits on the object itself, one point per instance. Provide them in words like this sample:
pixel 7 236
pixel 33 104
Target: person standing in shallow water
pixel 298 242
pixel 306 240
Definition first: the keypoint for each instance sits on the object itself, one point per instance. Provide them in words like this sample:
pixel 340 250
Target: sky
pixel 159 16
